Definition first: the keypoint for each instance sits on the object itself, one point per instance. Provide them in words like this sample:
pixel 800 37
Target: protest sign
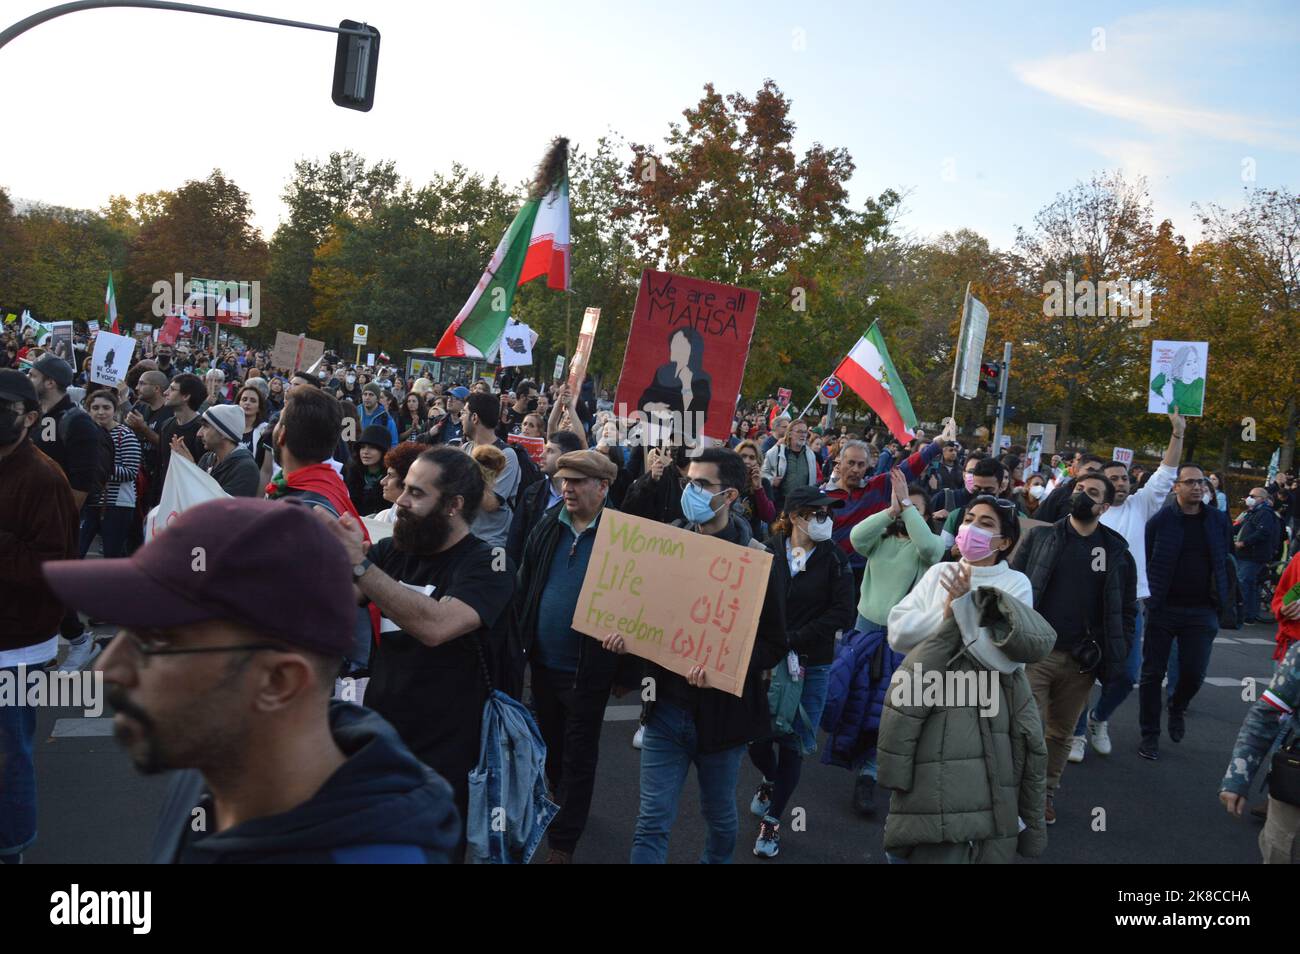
pixel 1123 455
pixel 686 351
pixel 186 486
pixel 1048 434
pixel 783 397
pixel 680 599
pixel 1177 377
pixel 93 325
pixel 111 358
pixel 295 352
pixel 533 446
pixel 61 342
pixel 370 359
pixel 582 354
pixel 517 345
pixel 171 329
pixel 1034 451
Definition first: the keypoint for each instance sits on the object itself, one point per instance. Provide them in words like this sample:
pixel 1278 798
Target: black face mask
pixel 1081 507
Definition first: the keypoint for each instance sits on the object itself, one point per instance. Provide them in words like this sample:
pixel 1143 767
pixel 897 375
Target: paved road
pixel 95 808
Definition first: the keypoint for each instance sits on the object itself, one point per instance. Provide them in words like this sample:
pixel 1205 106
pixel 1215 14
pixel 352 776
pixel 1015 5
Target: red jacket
pixel 1288 630
pixel 38 522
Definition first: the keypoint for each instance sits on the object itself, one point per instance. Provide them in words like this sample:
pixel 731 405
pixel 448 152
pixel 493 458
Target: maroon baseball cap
pixel 271 565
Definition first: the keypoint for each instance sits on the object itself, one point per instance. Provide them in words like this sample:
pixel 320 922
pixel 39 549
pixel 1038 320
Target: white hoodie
pixel 920 613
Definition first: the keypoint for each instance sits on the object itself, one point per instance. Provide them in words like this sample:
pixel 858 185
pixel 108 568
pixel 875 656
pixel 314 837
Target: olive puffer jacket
pixel 959 777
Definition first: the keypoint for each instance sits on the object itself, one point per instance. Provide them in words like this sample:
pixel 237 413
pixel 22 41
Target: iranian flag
pixel 536 244
pixel 110 307
pixel 872 376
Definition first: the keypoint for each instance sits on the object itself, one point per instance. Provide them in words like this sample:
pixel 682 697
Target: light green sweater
pixel 893 563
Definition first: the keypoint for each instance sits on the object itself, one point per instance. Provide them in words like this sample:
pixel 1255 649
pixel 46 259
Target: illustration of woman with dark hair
pixel 1183 385
pixel 681 389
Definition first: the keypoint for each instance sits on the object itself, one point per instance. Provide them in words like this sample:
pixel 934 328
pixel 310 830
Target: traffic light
pixel 990 376
pixel 356 61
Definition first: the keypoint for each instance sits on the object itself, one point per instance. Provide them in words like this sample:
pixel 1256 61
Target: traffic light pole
pixel 1002 399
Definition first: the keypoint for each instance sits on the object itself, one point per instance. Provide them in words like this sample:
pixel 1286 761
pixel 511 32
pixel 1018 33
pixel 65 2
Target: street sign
pixel 360 333
pixel 830 390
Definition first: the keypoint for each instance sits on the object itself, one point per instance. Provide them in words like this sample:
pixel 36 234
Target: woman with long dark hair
pixel 412 418
pixel 681 389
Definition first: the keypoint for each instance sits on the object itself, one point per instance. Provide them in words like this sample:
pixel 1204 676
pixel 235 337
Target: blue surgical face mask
pixel 697 505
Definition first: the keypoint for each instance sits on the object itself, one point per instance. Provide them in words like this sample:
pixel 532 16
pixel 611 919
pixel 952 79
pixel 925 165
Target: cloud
pixel 1140 74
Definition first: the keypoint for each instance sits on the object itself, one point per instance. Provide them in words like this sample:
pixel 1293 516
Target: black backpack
pixel 104 460
pixel 529 473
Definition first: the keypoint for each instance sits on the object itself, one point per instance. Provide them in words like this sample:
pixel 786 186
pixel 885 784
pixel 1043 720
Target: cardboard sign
pixel 1177 377
pixel 295 352
pixel 680 599
pixel 111 358
pixel 582 354
pixel 686 352
pixel 1123 455
pixel 533 446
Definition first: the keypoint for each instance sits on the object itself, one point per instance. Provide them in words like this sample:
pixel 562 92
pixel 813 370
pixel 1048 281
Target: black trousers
pixel 570 721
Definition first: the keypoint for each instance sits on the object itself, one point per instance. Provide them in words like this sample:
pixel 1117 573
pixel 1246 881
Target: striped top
pixel 119 491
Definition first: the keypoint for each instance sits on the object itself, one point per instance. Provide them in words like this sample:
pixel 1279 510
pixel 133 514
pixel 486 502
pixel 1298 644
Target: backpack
pixel 529 473
pixel 104 460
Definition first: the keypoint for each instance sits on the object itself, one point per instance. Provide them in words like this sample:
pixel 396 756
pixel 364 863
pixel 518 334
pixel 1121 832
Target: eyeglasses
pixel 992 502
pixel 1194 481
pixel 698 484
pixel 153 646
pixel 821 514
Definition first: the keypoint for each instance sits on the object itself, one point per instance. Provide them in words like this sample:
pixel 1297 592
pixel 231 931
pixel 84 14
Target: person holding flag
pixel 869 372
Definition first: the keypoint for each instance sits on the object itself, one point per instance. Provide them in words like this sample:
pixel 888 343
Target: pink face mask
pixel 975 544
pixel 970 483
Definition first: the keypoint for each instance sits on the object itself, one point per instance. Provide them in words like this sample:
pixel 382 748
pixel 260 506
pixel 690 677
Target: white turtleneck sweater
pixel 920 613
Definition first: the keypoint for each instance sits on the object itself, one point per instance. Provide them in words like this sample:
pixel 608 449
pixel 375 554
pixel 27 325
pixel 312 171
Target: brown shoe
pixel 1049 815
pixel 557 857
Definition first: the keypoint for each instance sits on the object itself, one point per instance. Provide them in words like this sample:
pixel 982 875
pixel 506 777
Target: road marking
pixel 81 728
pixel 622 713
pixel 1227 681
pixel 1225 639
pixel 1255 641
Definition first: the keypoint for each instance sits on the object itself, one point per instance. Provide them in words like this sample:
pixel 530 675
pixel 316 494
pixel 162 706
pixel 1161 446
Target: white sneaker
pixel 639 737
pixel 1078 745
pixel 81 653
pixel 1098 735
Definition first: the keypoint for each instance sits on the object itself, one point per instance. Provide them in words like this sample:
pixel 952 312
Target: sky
pixel 979 113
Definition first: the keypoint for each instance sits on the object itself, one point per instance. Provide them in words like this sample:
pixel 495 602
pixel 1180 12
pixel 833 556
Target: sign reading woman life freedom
pixel 679 599
pixel 686 353
pixel 1178 377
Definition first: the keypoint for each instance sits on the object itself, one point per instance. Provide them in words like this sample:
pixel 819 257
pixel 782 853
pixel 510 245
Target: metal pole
pixel 1002 399
pixel 36 19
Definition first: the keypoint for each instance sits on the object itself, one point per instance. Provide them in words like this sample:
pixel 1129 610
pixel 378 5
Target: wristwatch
pixel 907 502
pixel 359 569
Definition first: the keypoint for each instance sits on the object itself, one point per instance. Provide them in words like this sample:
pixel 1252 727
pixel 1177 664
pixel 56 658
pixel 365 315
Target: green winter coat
pixel 957 777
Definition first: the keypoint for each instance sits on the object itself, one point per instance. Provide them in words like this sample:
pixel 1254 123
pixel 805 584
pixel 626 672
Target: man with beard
pixel 225 666
pixel 441 591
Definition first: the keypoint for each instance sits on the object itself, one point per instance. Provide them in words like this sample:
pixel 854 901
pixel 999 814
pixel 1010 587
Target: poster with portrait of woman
pixel 686 353
pixel 1177 377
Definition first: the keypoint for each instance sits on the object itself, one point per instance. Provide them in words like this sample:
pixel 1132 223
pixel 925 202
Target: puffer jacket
pixel 958 776
pixel 855 697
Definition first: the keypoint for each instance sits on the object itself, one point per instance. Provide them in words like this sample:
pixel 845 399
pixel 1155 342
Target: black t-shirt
pixel 434 695
pixel 1075 595
pixel 189 433
pixel 1192 581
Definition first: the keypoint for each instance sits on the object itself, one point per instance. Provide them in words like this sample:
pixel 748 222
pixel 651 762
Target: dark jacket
pixel 382 806
pixel 1165 539
pixel 368 500
pixel 238 474
pixel 724 721
pixel 819 602
pixel 597 666
pixel 77 452
pixel 659 500
pixel 855 696
pixel 1037 558
pixel 38 522
pixel 1260 534
pixel 1056 504
pixel 528 514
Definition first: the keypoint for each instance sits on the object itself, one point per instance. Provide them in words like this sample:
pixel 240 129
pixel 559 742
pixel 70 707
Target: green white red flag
pixel 872 377
pixel 110 307
pixel 536 244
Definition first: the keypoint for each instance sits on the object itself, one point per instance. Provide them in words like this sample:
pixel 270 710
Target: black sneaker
pixel 762 799
pixel 864 795
pixel 1150 749
pixel 1177 724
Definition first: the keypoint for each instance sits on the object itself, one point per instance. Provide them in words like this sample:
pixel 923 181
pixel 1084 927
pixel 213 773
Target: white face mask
pixel 1037 491
pixel 351 379
pixel 819 530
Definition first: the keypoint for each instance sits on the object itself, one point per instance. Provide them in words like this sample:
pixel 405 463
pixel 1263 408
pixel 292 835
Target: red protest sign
pixel 171 329
pixel 686 353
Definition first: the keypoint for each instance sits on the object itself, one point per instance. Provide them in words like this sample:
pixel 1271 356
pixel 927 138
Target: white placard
pixel 112 358
pixel 517 346
pixel 1177 377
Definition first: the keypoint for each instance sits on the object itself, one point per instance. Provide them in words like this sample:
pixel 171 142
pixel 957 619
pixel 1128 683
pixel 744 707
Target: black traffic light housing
pixel 356 61
pixel 990 376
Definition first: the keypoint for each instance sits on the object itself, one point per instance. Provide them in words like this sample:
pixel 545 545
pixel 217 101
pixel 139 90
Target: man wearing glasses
pixel 1187 547
pixel 225 667
pixel 571 674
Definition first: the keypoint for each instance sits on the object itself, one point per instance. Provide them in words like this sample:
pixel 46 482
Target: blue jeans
pixel 667 751
pixel 1193 630
pixel 784 765
pixel 17 773
pixel 112 524
pixel 1249 573
pixel 1120 684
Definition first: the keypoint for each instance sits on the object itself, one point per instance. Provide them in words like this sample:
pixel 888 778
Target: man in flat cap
pixel 224 667
pixel 572 674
